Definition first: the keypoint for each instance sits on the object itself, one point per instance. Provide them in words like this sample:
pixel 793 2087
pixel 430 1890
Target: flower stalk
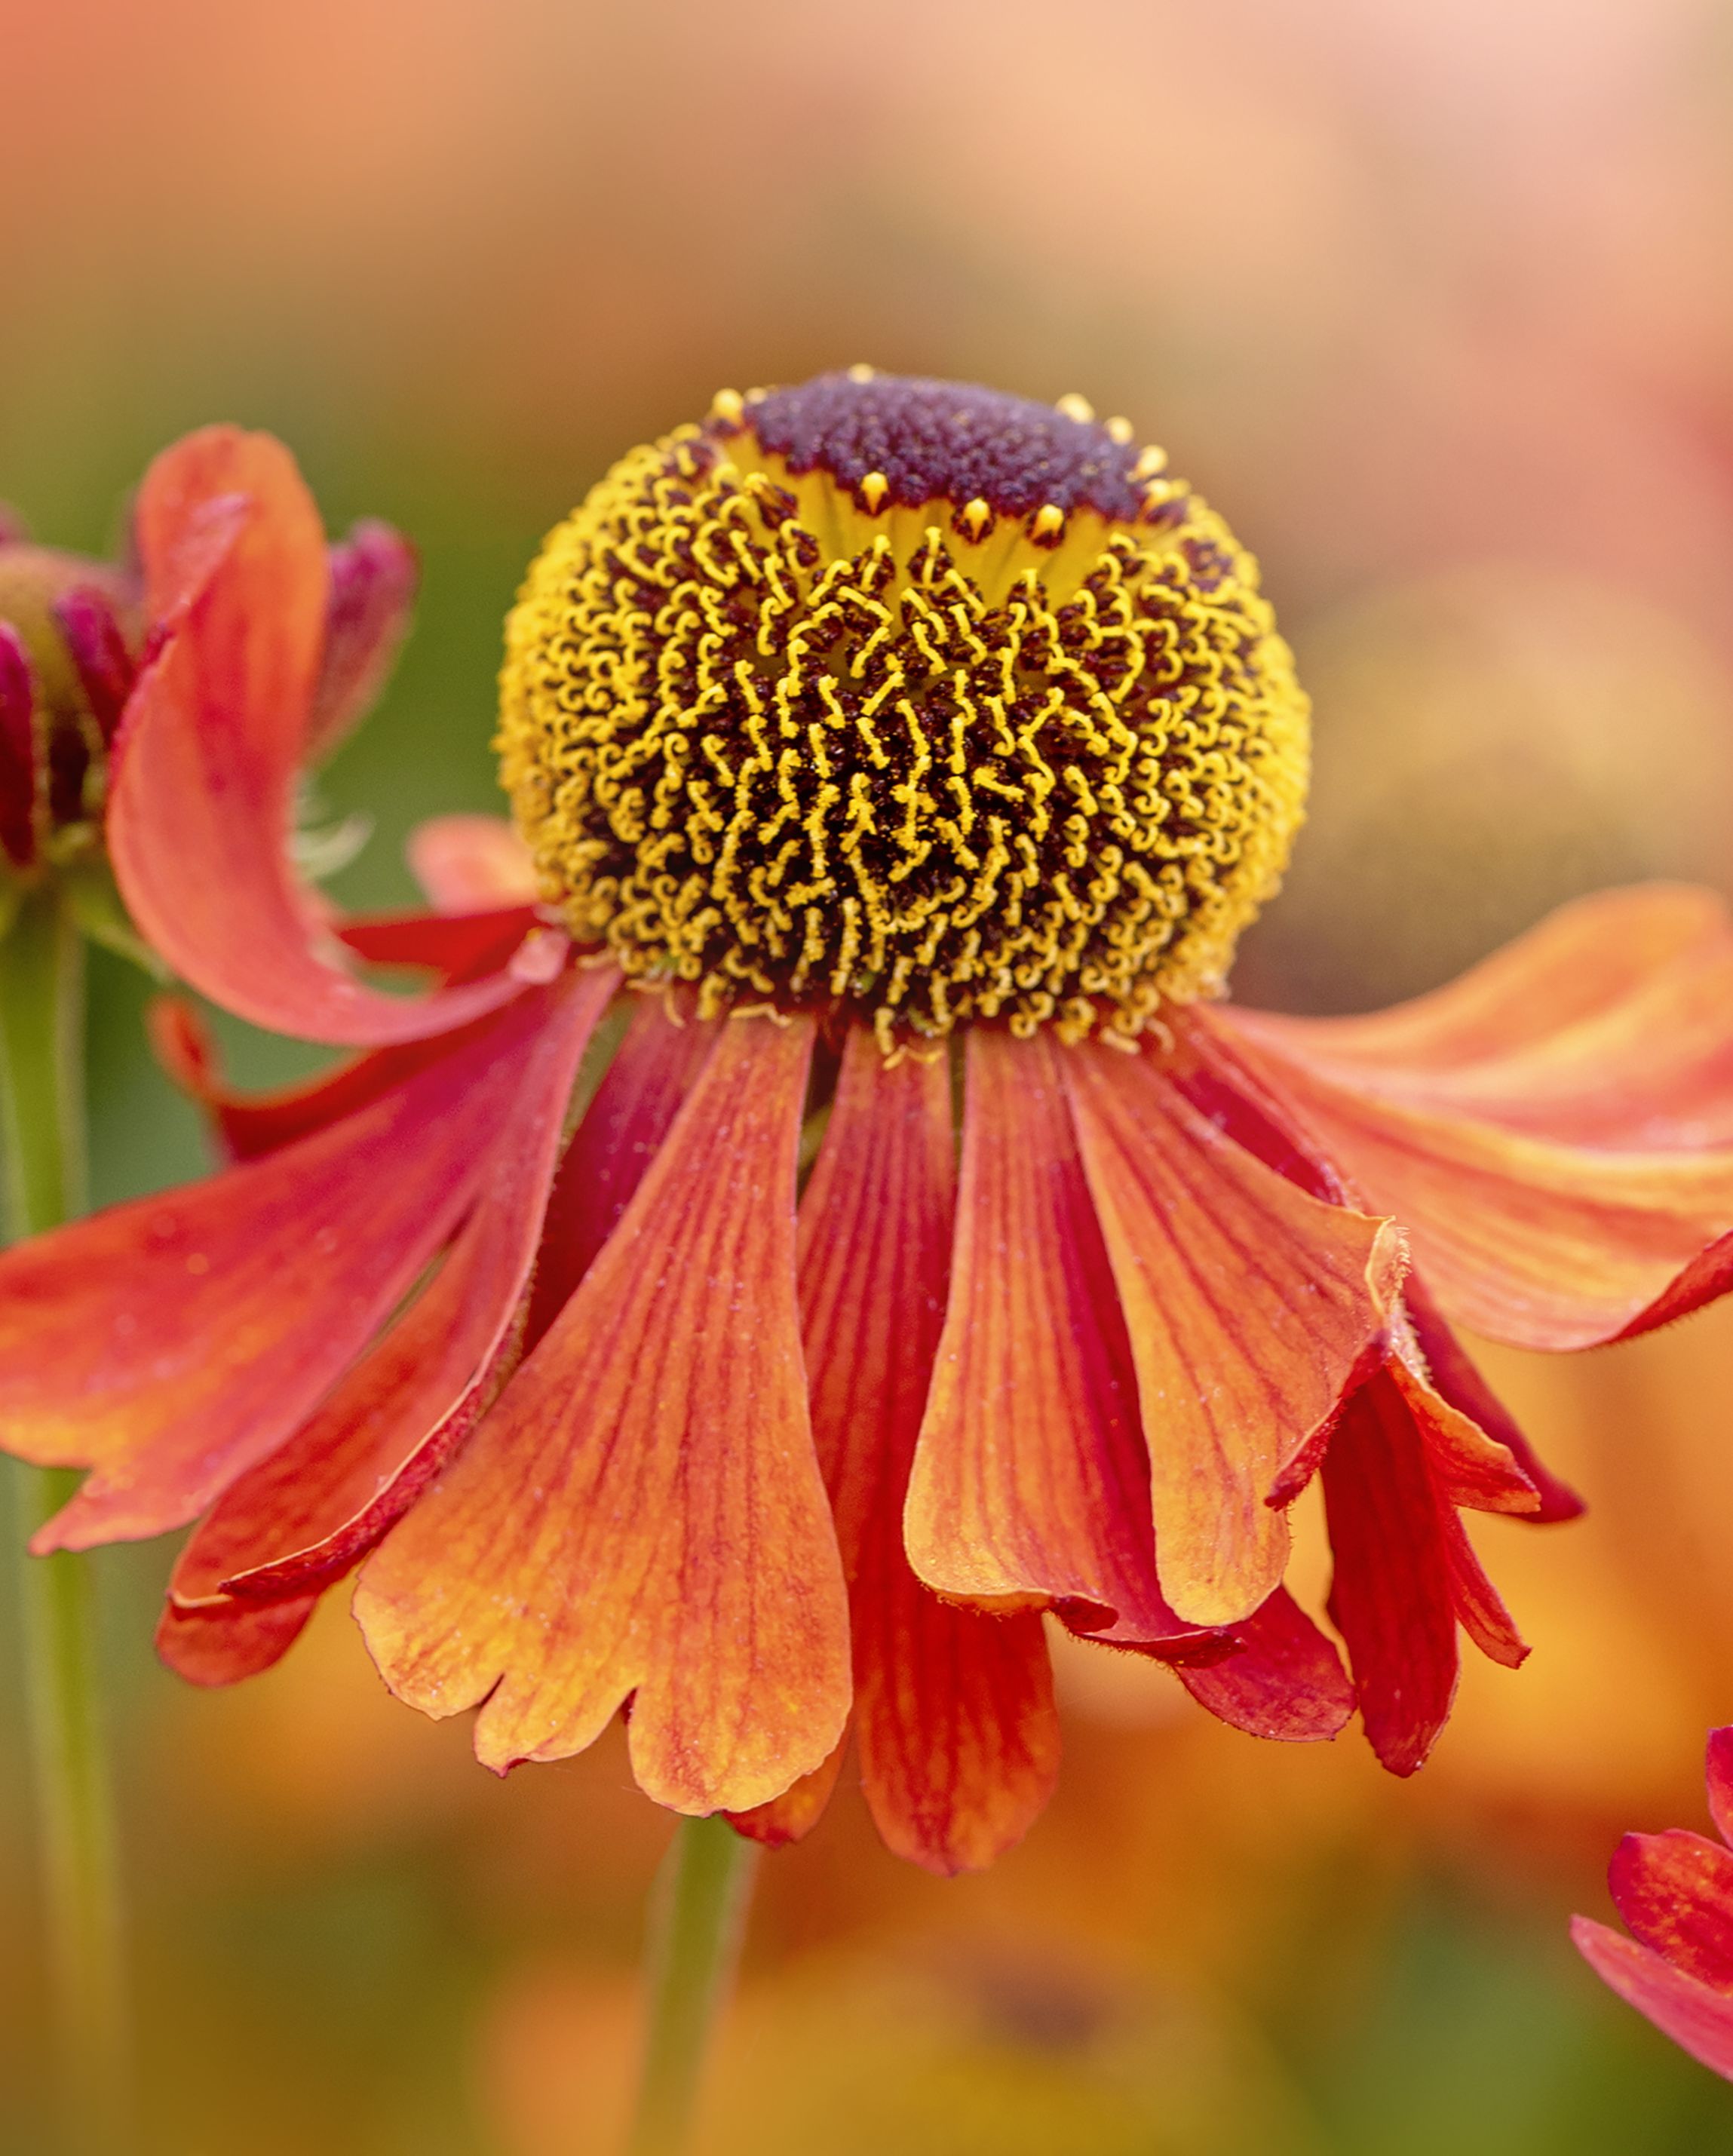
pixel 42 1118
pixel 698 1921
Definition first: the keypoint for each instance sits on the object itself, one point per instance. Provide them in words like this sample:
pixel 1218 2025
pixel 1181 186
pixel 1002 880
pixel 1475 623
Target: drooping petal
pixel 304 1517
pixel 171 1344
pixel 652 1070
pixel 1251 1308
pixel 205 762
pixel 1675 1891
pixel 1718 1770
pixel 1030 1483
pixel 1606 1025
pixel 1391 1598
pixel 1699 2019
pixel 955 1725
pixel 1286 1682
pixel 1541 1245
pixel 642 1515
pixel 1461 1386
pixel 468 864
pixel 373 575
pixel 18 749
pixel 220 1642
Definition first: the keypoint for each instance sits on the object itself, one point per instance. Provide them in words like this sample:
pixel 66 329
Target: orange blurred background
pixel 1433 302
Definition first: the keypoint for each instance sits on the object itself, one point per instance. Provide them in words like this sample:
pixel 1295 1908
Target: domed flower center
pixel 907 700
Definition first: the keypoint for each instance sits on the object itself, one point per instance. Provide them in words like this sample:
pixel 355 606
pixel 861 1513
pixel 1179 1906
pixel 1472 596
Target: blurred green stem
pixel 42 1110
pixel 698 1919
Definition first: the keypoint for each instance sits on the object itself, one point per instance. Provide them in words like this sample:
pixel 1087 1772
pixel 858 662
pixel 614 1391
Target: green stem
pixel 698 1917
pixel 42 1116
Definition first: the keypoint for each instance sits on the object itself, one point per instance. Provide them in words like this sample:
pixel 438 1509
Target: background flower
pixel 1433 298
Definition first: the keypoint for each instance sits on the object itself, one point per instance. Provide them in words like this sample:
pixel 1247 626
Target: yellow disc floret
pixel 906 700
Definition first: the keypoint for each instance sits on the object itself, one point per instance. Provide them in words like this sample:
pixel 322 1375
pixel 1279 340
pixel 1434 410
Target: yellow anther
pixel 1119 431
pixel 730 405
pixel 1074 407
pixel 873 488
pixel 860 371
pixel 1049 521
pixel 975 517
pixel 1151 461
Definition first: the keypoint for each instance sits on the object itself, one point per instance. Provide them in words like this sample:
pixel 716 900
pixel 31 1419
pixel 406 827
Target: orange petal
pixel 209 752
pixel 791 1817
pixel 471 864
pixel 1610 1025
pixel 1541 1245
pixel 202 1325
pixel 1252 1308
pixel 1699 2019
pixel 303 1517
pixel 1031 1482
pixel 642 1516
pixel 955 1725
pixel 222 1642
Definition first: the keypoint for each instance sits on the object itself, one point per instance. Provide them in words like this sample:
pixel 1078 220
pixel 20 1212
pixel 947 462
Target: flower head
pixel 908 701
pixel 685 1349
pixel 1675 1891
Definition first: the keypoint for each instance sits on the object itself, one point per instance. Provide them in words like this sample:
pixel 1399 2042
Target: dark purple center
pixel 951 440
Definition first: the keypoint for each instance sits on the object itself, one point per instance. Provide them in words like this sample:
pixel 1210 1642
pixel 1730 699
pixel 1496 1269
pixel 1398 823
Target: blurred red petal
pixel 1699 2019
pixel 1251 1308
pixel 1608 1025
pixel 1031 1482
pixel 467 864
pixel 1287 1681
pixel 18 749
pixel 1718 1771
pixel 954 1726
pixel 204 1325
pixel 1391 1598
pixel 209 755
pixel 642 1515
pixel 1675 1891
pixel 373 575
pixel 97 646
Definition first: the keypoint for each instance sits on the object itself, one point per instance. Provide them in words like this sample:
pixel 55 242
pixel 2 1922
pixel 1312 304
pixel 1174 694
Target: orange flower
pixel 1675 1891
pixel 899 744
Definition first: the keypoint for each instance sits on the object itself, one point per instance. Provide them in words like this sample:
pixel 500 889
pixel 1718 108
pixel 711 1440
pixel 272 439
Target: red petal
pixel 1541 1245
pixel 457 947
pixel 642 1516
pixel 1392 1599
pixel 206 761
pixel 91 628
pixel 955 1725
pixel 223 1642
pixel 1719 1773
pixel 1251 1309
pixel 1608 1025
pixel 1698 2019
pixel 1286 1682
pixel 655 1067
pixel 467 864
pixel 171 1342
pixel 1675 1891
pixel 303 1517
pixel 18 749
pixel 1031 1482
pixel 373 575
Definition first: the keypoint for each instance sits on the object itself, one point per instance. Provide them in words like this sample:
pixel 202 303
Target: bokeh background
pixel 1433 300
